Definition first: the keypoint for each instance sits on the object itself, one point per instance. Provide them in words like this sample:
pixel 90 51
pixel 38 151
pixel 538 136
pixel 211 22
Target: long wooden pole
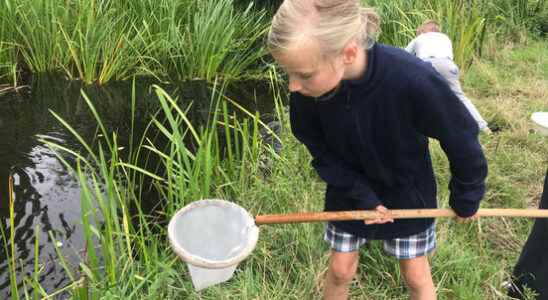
pixel 303 217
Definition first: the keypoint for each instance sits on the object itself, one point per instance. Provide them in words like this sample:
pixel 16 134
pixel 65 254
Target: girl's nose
pixel 294 85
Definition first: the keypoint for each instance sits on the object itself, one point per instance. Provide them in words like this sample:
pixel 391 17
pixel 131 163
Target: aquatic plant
pixel 215 40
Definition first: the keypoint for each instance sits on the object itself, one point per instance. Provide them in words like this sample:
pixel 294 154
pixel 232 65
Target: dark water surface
pixel 46 194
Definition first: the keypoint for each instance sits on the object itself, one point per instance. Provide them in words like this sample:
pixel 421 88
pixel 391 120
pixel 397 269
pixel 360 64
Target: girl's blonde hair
pixel 332 23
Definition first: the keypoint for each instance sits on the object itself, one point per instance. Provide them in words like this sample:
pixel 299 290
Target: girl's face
pixel 309 73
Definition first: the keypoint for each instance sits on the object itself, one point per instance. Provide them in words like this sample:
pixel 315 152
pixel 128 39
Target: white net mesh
pixel 212 236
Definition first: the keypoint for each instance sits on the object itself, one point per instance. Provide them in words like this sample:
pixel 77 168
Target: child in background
pixel 365 111
pixel 435 47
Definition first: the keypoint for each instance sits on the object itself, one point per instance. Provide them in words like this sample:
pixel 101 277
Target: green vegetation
pixel 468 22
pixel 128 256
pixel 464 25
pixel 102 40
pixel 98 41
pixel 132 260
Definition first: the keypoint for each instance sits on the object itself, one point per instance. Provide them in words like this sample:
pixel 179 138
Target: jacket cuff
pixel 465 198
pixel 465 211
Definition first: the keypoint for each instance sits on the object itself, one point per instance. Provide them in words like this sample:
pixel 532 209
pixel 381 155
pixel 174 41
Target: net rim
pixel 198 261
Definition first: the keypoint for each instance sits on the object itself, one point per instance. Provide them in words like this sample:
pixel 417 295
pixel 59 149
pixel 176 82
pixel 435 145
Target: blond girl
pixel 365 111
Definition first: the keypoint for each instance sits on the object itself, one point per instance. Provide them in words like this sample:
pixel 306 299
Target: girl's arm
pixel 306 128
pixel 439 114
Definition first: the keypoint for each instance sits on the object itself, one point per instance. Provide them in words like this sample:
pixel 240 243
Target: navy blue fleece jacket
pixel 369 142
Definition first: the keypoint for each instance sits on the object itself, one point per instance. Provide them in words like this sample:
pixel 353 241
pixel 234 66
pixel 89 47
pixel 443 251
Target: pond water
pixel 46 194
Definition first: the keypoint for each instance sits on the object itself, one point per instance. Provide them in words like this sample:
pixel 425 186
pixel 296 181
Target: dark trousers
pixel 531 269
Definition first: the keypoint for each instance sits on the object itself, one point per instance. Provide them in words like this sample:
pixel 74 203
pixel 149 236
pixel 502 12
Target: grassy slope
pixel 506 88
pixel 472 260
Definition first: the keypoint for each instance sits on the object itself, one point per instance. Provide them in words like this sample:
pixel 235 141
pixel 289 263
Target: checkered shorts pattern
pixel 408 247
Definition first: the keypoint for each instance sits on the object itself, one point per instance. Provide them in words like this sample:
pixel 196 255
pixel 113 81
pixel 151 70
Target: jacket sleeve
pixel 441 115
pixel 306 127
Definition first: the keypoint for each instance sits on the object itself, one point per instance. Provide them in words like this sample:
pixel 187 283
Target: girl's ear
pixel 350 52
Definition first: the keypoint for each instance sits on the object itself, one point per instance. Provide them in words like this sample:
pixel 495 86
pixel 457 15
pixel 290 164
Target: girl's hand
pixel 384 216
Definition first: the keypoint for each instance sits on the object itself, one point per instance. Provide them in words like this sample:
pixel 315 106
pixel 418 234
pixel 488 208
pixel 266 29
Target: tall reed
pixel 35 25
pixel 7 49
pixel 512 18
pixel 215 40
pixel 8 69
pixel 100 43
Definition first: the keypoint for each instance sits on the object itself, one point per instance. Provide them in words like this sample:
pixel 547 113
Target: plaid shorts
pixel 408 247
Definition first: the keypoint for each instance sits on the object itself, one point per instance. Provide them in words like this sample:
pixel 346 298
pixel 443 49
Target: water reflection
pixel 46 194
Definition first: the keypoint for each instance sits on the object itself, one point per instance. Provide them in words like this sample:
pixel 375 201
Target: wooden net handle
pixel 303 217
